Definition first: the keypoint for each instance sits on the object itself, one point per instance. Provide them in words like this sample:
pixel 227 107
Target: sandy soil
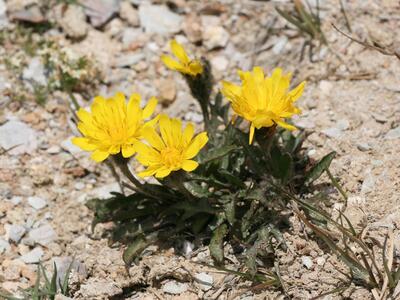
pixel 351 105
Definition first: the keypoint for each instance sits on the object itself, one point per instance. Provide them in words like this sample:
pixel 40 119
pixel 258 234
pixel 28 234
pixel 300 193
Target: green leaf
pixel 230 209
pixel 232 179
pixel 282 164
pixel 217 244
pixel 319 168
pixel 137 246
pixel 217 153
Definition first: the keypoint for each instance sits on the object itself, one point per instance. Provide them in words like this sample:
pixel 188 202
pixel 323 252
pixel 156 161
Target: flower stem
pixel 337 185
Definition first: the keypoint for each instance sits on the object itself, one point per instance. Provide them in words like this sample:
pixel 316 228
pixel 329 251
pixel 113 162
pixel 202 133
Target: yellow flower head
pixel 264 101
pixel 113 125
pixel 171 151
pixel 184 64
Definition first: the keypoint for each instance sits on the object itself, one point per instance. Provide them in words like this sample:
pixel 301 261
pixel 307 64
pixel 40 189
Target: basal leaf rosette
pixel 182 63
pixel 171 150
pixel 113 126
pixel 263 101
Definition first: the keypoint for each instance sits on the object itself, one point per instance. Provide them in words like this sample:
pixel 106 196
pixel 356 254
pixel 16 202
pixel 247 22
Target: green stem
pixel 115 174
pixel 176 180
pixel 74 101
pixel 337 185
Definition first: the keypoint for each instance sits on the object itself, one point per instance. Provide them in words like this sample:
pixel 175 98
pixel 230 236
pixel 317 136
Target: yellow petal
pixel 153 138
pixel 285 125
pixel 99 156
pixel 179 52
pixel 297 91
pixel 195 67
pixel 163 172
pixel 230 90
pixel 189 165
pixel 150 171
pixel 150 107
pixel 166 130
pixel 171 63
pixel 147 155
pixel 83 143
pixel 176 132
pixel 128 150
pixel 195 146
pixel 84 116
pixel 187 134
pixel 258 74
pixel 251 133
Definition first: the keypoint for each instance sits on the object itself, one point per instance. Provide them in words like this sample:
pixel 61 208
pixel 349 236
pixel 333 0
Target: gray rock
pixel 104 289
pixel 3 14
pixel 64 263
pixel 30 14
pixel 321 261
pixel 174 287
pixel 33 256
pixel 280 44
pixel 368 183
pixel 69 147
pixel 42 235
pixel 130 35
pixel 159 19
pixel 18 135
pixel 100 11
pixel 55 149
pixel 204 280
pixel 104 191
pixel 363 146
pixel 332 132
pixel 219 63
pixel 73 22
pixel 14 232
pixel 37 202
pixel 4 246
pixel 307 262
pixel 393 134
pixel 215 37
pixel 343 124
pixel 128 13
pixel 128 59
pixel 35 72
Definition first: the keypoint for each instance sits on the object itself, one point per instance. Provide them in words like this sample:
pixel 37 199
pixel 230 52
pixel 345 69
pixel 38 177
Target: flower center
pixel 171 157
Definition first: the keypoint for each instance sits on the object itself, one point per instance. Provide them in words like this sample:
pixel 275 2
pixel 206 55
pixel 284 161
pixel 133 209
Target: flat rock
pixel 33 256
pixel 100 11
pixel 73 22
pixel 174 287
pixel 128 59
pixel 30 14
pixel 3 14
pixel 128 13
pixel 93 289
pixel 104 191
pixel 14 232
pixel 159 19
pixel 69 147
pixel 18 136
pixel 204 280
pixel 215 37
pixel 42 235
pixel 35 72
pixel 393 134
pixel 37 202
pixel 4 246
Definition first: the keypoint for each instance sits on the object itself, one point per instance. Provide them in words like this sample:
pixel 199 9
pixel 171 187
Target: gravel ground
pixel 351 105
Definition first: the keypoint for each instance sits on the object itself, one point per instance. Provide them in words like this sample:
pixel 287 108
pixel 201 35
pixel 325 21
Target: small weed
pixel 45 287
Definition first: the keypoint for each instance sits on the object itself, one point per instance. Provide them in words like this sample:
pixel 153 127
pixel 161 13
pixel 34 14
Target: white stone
pixel 215 37
pixel 159 19
pixel 128 13
pixel 73 21
pixel 18 136
pixel 42 235
pixel 280 45
pixel 33 256
pixel 4 246
pixel 14 232
pixel 204 280
pixel 103 191
pixel 368 184
pixel 320 261
pixel 219 63
pixel 37 202
pixel 307 262
pixel 35 72
pixel 129 59
pixel 69 147
pixel 393 134
pixel 174 287
pixel 100 11
pixel 3 14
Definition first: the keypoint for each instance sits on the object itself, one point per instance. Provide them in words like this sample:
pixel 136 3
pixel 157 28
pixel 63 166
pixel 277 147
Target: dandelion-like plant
pixel 113 126
pixel 184 64
pixel 263 101
pixel 171 151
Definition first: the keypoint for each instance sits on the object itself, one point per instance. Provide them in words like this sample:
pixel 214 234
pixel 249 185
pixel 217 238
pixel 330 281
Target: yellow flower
pixel 113 125
pixel 264 101
pixel 171 151
pixel 184 64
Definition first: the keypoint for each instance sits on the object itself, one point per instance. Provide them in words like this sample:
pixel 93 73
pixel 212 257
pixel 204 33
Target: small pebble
pixel 204 280
pixel 37 202
pixel 307 262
